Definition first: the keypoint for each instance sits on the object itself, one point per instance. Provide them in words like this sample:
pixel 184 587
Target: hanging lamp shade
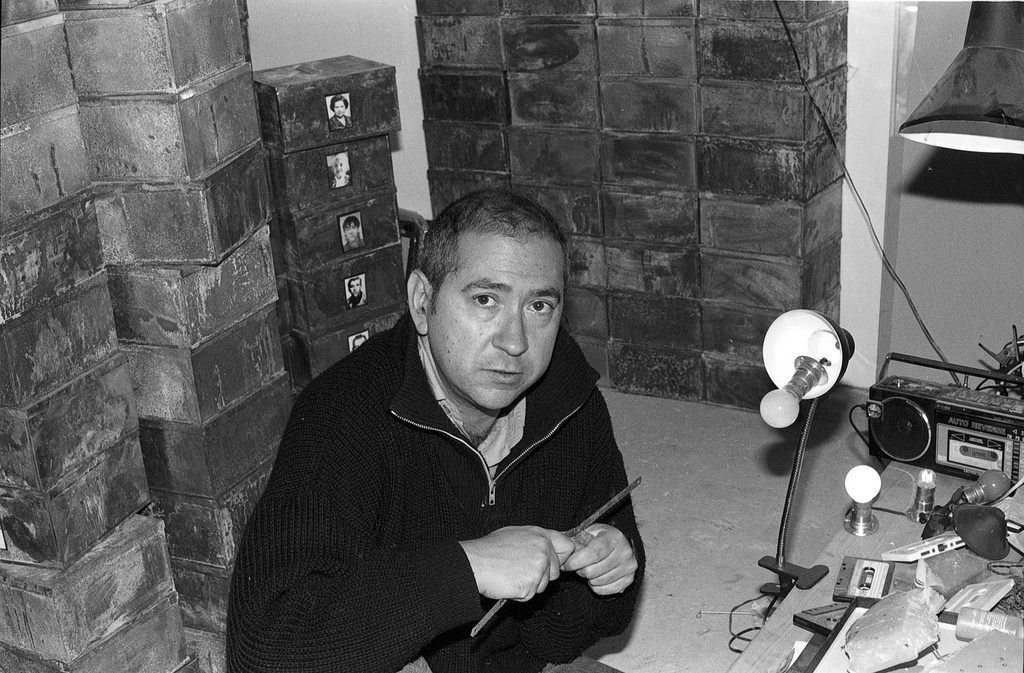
pixel 978 103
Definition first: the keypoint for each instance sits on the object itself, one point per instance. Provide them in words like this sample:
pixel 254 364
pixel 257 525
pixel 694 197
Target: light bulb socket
pixel 809 373
pixel 924 499
pixel 860 521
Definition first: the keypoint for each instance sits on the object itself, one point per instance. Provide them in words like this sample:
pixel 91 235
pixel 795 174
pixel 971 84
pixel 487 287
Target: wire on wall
pixel 886 264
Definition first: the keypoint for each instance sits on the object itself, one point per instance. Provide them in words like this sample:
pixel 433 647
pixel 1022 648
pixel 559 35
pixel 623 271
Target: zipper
pixel 530 448
pixel 492 482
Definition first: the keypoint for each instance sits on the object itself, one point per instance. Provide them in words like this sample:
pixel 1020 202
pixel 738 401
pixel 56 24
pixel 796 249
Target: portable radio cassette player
pixel 947 428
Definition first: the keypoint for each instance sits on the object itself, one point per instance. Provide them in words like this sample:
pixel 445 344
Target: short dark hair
pixel 349 222
pixel 487 211
pixel 340 97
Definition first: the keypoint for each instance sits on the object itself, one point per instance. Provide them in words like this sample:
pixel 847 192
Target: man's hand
pixel 607 562
pixel 517 562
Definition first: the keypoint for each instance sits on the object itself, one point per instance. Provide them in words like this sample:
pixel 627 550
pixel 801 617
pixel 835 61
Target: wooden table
pixel 771 650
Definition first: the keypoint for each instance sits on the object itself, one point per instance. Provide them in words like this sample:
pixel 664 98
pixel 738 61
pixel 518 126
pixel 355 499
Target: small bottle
pixel 924 496
pixel 972 623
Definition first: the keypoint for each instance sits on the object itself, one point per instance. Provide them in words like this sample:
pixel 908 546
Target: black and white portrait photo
pixel 339 115
pixel 351 227
pixel 356 340
pixel 355 290
pixel 341 176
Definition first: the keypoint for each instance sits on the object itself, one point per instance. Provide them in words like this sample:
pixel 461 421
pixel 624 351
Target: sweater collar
pixel 562 389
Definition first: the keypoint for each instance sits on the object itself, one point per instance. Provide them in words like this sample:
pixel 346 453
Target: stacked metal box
pixel 676 142
pixel 84 580
pixel 338 252
pixel 770 179
pixel 170 125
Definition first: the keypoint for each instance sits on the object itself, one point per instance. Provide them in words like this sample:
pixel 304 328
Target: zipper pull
pixel 490 491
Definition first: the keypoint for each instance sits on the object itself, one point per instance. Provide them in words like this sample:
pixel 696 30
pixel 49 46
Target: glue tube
pixel 972 623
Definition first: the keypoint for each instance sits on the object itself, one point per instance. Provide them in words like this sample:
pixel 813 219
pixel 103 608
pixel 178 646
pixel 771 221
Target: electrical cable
pixel 741 635
pixel 1008 362
pixel 889 511
pixel 849 416
pixel 860 202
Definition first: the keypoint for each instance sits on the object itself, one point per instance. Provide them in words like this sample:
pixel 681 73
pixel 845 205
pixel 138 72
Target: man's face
pixel 351 233
pixel 492 324
pixel 355 286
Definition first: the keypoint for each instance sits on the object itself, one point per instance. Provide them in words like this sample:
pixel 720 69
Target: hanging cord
pixel 860 433
pixel 794 476
pixel 860 202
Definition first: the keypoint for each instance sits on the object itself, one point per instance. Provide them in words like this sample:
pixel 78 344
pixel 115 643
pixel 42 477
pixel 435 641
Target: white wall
pixel 958 258
pixel 958 241
pixel 871 30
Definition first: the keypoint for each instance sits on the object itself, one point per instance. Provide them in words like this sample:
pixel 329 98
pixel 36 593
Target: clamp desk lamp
pixel 805 354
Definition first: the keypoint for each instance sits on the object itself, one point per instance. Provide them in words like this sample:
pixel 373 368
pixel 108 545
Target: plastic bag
pixel 894 630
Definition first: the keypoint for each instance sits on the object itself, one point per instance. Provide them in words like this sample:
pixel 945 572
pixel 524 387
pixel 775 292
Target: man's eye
pixel 541 307
pixel 484 300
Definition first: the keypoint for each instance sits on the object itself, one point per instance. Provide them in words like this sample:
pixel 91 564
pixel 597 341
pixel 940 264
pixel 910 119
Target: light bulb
pixel 989 486
pixel 863 483
pixel 779 408
pixel 924 496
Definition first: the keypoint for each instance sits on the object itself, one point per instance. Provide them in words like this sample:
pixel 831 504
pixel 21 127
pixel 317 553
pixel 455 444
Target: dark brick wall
pixel 677 142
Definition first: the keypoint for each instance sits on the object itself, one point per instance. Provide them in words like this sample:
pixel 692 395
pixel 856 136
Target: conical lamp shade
pixel 978 103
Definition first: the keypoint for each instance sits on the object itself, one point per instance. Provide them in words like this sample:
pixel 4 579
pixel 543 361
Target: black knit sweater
pixel 350 561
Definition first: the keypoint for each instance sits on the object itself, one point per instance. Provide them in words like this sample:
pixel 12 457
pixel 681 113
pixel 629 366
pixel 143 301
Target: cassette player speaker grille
pixel 902 431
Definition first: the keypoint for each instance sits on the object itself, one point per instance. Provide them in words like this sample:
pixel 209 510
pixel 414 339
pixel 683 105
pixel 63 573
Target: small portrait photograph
pixel 351 227
pixel 356 340
pixel 340 174
pixel 355 290
pixel 339 115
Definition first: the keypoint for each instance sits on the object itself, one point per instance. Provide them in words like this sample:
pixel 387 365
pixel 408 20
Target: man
pixel 355 296
pixel 429 472
pixel 339 117
pixel 351 233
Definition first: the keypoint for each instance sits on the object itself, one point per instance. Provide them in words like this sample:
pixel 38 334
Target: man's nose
pixel 511 337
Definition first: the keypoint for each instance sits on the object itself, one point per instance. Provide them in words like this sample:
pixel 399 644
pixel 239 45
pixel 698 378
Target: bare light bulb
pixel 989 486
pixel 924 496
pixel 862 485
pixel 780 407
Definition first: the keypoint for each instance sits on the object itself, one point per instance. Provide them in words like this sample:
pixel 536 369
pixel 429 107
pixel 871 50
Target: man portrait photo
pixel 339 116
pixel 340 174
pixel 355 292
pixel 356 340
pixel 351 228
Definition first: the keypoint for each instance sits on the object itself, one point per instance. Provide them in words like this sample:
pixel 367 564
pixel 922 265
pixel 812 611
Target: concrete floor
pixel 714 482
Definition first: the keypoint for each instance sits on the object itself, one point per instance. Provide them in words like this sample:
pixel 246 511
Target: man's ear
pixel 418 293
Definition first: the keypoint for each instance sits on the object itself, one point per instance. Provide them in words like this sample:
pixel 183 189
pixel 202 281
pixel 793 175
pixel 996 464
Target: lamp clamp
pixel 790 575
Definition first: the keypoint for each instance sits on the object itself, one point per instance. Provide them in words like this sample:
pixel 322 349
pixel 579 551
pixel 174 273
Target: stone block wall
pixel 676 141
pixel 85 581
pixel 138 330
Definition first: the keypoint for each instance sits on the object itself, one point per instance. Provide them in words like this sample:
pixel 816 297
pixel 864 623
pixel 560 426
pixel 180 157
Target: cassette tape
pixel 861 578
